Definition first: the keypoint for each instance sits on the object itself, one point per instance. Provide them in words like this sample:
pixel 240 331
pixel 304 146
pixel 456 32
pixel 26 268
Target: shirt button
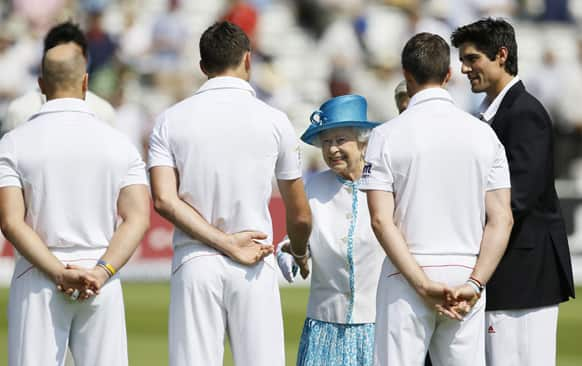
pixel 344 239
pixel 349 216
pixel 348 188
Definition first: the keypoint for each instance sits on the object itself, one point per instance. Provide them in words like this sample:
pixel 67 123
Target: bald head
pixel 63 72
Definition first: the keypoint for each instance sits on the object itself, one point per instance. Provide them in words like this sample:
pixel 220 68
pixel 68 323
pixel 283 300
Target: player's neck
pixel 498 87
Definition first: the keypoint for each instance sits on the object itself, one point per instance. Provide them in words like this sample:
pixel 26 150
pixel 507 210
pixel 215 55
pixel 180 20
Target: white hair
pixel 362 135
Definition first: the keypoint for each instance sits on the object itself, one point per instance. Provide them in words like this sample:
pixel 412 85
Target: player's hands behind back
pixel 80 283
pixel 465 298
pixel 454 303
pixel 245 249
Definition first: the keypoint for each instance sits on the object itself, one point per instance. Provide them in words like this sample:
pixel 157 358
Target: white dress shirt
pixel 346 257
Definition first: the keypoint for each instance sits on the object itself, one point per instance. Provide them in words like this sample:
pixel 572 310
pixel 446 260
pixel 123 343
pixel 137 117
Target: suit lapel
pixel 506 103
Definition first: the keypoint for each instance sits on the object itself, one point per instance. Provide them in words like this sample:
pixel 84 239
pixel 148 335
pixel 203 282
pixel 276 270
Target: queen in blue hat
pixel 345 255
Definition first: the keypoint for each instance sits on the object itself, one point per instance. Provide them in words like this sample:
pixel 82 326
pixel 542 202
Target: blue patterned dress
pixel 346 261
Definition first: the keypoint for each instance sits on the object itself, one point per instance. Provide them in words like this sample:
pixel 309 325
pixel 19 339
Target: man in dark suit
pixel 535 274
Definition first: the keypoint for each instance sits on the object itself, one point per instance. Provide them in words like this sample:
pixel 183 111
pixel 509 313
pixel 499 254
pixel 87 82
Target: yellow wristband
pixel 107 266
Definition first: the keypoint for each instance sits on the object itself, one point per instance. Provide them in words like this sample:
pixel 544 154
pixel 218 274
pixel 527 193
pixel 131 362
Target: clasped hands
pixel 453 302
pixel 79 283
pixel 245 248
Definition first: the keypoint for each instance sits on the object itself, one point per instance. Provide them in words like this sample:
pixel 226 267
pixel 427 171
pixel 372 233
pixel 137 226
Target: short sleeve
pixel 377 175
pixel 136 172
pixel 159 153
pixel 498 176
pixel 288 164
pixel 9 176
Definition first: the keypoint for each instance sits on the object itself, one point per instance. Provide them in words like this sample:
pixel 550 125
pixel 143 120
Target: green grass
pixel 147 307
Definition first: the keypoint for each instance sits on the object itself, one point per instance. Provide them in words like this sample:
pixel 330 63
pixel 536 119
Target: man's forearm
pixel 27 242
pixel 187 219
pixel 298 230
pixel 125 241
pixel 397 250
pixel 493 245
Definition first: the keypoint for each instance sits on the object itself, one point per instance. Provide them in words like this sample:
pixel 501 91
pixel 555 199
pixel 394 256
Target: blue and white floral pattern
pixel 354 186
pixel 333 344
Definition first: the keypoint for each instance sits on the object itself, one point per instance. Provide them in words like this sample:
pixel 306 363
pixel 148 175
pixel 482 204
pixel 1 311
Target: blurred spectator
pixel 556 11
pixel 547 83
pixel 39 13
pixel 431 20
pixel 569 124
pixel 244 15
pixel 341 42
pixel 377 83
pixel 101 45
pixel 14 78
pixel 465 11
pixel 339 82
pixel 131 119
pixel 312 17
pixel 168 35
pixel 135 40
pixel 170 31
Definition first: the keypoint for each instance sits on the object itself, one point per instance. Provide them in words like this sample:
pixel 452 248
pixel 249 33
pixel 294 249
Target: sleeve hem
pixel 288 175
pixel 161 163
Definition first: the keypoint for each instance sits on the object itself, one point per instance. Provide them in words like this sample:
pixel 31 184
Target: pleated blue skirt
pixel 333 344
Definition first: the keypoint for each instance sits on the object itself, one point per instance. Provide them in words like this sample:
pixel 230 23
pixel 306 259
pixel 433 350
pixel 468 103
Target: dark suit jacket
pixel 536 269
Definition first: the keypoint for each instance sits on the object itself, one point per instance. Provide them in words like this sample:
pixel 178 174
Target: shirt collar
pixel 64 105
pixel 488 111
pixel 226 82
pixel 429 94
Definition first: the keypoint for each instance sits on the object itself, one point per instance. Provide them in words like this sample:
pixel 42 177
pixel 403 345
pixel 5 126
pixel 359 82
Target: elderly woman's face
pixel 342 152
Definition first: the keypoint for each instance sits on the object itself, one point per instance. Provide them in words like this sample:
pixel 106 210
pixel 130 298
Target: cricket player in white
pixel 211 160
pixel 438 193
pixel 66 180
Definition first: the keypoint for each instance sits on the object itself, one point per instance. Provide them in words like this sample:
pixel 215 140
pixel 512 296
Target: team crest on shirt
pixel 367 171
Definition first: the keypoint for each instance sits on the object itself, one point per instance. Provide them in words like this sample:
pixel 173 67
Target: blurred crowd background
pixel 144 55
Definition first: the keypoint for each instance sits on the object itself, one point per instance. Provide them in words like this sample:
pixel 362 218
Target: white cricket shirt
pixel 345 255
pixel 439 162
pixel 226 145
pixel 71 167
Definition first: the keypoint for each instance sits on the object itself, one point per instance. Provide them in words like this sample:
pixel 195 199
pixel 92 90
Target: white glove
pixel 286 263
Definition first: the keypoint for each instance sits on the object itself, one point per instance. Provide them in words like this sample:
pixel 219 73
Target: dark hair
pixel 489 36
pixel 65 33
pixel 427 57
pixel 222 46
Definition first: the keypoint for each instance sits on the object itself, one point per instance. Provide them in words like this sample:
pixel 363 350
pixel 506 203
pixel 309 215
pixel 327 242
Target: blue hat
pixel 343 111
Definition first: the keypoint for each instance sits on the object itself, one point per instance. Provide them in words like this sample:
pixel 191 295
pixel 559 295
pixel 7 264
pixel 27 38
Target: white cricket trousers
pixel 521 337
pixel 212 295
pixel 406 327
pixel 42 321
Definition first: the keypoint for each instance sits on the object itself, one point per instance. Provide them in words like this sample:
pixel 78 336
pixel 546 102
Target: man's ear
pixel 502 55
pixel 410 82
pixel 202 68
pixel 85 85
pixel 447 78
pixel 247 60
pixel 41 85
